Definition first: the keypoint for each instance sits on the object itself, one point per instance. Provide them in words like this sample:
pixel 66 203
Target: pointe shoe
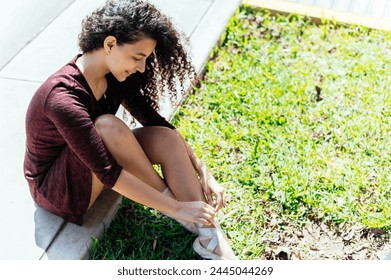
pixel 187 225
pixel 215 236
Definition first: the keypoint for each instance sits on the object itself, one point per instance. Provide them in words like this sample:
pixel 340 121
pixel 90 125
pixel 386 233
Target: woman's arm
pixel 138 191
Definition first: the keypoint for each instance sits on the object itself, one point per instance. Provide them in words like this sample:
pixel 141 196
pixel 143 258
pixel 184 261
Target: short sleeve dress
pixel 63 146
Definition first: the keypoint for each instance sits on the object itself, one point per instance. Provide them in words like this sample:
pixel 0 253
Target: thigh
pixel 96 188
pixel 125 148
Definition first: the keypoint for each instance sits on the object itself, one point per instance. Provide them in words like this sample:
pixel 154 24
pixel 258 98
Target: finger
pixel 204 222
pixel 210 213
pixel 207 193
pixel 209 198
pixel 209 209
pixel 206 190
pixel 209 218
pixel 218 207
pixel 219 200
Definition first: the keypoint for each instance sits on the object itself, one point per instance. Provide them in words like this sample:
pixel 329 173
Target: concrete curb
pixel 210 29
pixel 73 242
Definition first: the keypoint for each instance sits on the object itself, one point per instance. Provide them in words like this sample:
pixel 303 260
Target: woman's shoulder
pixel 66 86
pixel 68 77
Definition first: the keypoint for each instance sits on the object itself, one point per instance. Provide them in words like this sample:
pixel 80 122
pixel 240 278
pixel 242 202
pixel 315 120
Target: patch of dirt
pixel 317 241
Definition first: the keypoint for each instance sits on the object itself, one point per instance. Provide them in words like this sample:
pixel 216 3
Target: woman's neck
pixel 94 71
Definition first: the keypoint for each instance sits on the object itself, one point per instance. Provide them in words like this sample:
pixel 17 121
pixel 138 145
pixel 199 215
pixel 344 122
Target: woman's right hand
pixel 195 211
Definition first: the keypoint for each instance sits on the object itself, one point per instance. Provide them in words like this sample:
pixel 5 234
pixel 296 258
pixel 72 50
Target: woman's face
pixel 126 59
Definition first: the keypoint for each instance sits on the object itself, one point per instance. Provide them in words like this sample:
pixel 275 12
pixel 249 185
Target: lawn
pixel 293 119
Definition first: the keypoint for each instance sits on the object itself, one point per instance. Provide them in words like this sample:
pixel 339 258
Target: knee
pixel 167 137
pixel 110 125
pixel 170 142
pixel 162 139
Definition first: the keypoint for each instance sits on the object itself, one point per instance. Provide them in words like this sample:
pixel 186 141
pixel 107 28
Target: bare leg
pixel 137 151
pixel 97 188
pixel 163 146
pixel 124 147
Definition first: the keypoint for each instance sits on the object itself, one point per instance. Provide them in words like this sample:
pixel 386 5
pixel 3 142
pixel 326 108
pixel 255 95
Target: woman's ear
pixel 109 43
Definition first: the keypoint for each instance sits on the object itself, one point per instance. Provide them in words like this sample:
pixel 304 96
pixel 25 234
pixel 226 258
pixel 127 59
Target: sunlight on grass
pixel 294 119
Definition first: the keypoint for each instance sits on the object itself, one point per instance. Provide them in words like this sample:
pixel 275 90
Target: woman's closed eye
pixel 137 59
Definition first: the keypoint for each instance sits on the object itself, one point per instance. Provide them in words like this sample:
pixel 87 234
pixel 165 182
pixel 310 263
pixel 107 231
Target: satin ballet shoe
pixel 216 237
pixel 187 225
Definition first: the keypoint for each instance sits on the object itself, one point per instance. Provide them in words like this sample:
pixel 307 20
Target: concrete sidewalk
pixel 32 51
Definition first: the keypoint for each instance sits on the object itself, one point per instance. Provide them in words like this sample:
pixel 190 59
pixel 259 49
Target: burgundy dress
pixel 63 146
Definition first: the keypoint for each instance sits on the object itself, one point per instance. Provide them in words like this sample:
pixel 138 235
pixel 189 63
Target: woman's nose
pixel 141 66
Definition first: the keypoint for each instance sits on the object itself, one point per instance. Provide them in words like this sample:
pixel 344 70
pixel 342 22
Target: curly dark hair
pixel 129 21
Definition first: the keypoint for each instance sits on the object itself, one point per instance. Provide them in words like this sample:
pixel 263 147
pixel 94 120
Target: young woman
pixel 76 147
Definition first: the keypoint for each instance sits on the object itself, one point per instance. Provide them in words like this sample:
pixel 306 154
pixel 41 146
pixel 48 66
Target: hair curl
pixel 129 21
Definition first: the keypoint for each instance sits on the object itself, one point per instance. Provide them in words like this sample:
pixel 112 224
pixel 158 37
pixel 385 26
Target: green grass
pixel 139 233
pixel 293 119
